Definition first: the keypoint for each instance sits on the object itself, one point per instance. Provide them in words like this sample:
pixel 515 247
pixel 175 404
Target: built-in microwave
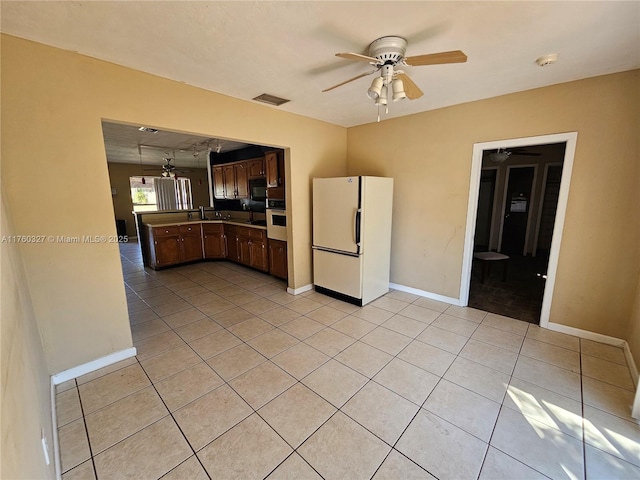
pixel 258 189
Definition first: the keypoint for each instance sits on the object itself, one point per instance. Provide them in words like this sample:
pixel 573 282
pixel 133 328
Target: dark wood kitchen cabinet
pixel 214 240
pixel 259 254
pixel 174 244
pixel 242 180
pixel 232 242
pixel 231 181
pixel 255 168
pixel 273 170
pixel 188 242
pixel 218 182
pixel 164 246
pixel 251 248
pixel 191 242
pixel 278 259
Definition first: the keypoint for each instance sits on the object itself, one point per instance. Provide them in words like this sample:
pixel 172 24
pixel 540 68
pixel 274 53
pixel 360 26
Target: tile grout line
pixel 170 413
pixel 395 356
pixel 583 419
pixel 86 429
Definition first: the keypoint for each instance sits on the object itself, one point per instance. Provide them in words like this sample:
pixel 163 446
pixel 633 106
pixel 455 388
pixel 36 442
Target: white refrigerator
pixel 352 237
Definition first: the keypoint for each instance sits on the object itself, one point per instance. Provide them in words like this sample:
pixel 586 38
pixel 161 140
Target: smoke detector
pixel 546 60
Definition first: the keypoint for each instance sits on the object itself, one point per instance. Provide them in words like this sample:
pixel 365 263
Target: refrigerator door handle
pixel 357 225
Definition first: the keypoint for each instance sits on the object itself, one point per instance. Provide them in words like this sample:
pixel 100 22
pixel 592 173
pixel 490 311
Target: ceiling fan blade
pixel 455 56
pixel 350 80
pixel 357 57
pixel 410 88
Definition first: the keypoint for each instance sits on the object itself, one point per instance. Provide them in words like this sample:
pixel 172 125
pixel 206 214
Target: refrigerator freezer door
pixel 340 273
pixel 335 212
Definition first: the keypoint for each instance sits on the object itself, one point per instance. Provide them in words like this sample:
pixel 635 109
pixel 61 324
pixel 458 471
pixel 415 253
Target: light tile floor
pixel 235 378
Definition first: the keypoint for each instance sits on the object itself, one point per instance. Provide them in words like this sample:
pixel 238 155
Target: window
pixel 160 193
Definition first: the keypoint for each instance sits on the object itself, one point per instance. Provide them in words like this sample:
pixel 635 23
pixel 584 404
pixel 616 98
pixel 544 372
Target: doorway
pixel 522 201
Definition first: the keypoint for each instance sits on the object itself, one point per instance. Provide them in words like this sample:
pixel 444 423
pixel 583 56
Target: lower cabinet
pixel 191 242
pixel 164 246
pixel 251 247
pixel 278 258
pixel 232 243
pixel 214 240
pixel 174 244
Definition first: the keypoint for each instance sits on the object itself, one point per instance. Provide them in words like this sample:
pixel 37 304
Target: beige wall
pixel 26 393
pixel 429 155
pixel 119 174
pixel 77 291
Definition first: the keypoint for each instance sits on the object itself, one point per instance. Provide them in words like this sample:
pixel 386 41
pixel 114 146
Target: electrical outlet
pixel 45 447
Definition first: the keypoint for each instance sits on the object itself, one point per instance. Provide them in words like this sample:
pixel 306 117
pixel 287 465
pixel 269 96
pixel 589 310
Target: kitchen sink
pixel 261 223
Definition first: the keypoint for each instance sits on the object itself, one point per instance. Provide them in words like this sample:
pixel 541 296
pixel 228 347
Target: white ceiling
pixel 243 49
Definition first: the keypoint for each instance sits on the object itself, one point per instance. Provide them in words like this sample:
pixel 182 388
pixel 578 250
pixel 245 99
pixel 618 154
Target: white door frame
pixel 570 138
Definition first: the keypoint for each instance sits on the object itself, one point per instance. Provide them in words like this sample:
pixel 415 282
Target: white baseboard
pixel 587 335
pixel 298 291
pixel 92 366
pixel 423 293
pixel 598 337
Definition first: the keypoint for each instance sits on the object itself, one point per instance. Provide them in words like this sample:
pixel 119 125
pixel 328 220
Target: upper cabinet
pixel 218 182
pixel 231 180
pixel 255 168
pixel 242 180
pixel 274 163
pixel 273 170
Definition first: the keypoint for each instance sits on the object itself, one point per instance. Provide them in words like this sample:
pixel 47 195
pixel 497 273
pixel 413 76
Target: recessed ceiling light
pixel 148 129
pixel 546 60
pixel 271 99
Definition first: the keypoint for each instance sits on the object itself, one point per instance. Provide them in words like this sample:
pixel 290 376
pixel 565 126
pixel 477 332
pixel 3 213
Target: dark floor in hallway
pixel 520 296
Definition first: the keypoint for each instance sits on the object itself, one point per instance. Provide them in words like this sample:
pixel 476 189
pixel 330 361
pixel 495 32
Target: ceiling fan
pixel 502 154
pixel 386 54
pixel 168 169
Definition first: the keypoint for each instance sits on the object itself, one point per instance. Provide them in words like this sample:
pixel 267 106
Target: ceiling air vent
pixel 271 99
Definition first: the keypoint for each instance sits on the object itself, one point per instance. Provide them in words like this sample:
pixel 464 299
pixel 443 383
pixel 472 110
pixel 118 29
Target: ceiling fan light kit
pixel 398 90
pixel 375 89
pixel 386 53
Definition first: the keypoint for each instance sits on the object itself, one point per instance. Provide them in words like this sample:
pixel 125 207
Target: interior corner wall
pixel 53 103
pixel 429 156
pixel 26 387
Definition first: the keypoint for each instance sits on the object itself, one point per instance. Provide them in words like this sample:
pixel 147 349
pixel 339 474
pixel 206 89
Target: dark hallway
pixel 520 296
pixel 517 202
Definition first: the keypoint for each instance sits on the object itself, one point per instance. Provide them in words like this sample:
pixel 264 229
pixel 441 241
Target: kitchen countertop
pixel 232 221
